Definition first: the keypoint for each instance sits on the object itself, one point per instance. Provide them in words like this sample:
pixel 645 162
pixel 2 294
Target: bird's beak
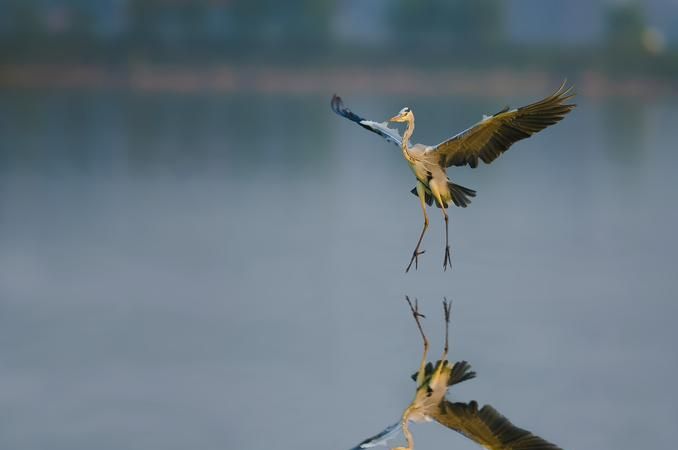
pixel 398 118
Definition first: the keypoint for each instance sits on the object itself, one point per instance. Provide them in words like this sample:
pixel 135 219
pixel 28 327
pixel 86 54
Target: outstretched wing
pixel 382 129
pixel 488 427
pixel 493 135
pixel 391 432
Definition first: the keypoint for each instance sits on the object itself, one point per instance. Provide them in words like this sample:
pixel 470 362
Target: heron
pixel 484 141
pixel 485 426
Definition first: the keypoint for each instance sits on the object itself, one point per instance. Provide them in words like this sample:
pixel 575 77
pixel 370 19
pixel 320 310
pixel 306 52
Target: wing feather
pixel 382 129
pixel 493 135
pixel 381 438
pixel 487 427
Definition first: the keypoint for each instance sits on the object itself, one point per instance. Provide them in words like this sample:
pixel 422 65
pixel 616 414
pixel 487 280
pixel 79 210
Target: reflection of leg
pixel 416 314
pixel 421 192
pixel 447 259
pixel 447 306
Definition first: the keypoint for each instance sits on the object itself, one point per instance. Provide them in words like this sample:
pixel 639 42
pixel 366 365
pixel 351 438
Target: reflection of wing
pixel 487 427
pixel 381 129
pixel 493 135
pixel 391 432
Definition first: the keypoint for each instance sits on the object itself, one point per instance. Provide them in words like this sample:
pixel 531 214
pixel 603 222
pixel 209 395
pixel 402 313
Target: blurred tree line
pixel 441 32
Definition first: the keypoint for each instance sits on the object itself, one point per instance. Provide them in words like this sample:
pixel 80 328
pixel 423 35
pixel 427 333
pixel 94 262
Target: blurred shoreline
pixel 226 78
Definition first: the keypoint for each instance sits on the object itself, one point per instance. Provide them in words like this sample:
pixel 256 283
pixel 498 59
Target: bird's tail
pixel 428 198
pixel 460 194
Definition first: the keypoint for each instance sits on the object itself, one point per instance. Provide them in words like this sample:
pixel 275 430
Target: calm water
pixel 226 272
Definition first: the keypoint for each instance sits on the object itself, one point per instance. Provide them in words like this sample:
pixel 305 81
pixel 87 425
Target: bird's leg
pixel 447 259
pixel 416 253
pixel 421 192
pixel 437 195
pixel 416 314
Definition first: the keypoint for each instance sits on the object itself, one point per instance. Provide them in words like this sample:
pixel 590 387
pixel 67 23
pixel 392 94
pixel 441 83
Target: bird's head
pixel 404 115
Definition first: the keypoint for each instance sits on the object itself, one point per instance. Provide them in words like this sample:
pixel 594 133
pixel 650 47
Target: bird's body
pixel 484 426
pixel 484 141
pixel 423 162
pixel 433 178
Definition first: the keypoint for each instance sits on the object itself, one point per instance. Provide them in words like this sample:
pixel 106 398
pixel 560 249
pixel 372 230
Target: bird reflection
pixel 485 425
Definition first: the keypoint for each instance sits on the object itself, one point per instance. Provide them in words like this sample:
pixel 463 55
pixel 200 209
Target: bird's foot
pixel 414 308
pixel 448 260
pixel 415 260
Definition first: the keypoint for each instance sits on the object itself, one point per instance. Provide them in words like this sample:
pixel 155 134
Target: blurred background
pixel 196 252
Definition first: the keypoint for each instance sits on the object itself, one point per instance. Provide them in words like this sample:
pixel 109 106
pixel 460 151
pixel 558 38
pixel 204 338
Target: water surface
pixel 227 271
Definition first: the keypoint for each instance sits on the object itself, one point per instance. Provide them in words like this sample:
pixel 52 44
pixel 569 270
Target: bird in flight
pixel 485 426
pixel 484 141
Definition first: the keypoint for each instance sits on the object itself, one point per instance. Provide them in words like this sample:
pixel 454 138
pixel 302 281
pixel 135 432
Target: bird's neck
pixel 406 139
